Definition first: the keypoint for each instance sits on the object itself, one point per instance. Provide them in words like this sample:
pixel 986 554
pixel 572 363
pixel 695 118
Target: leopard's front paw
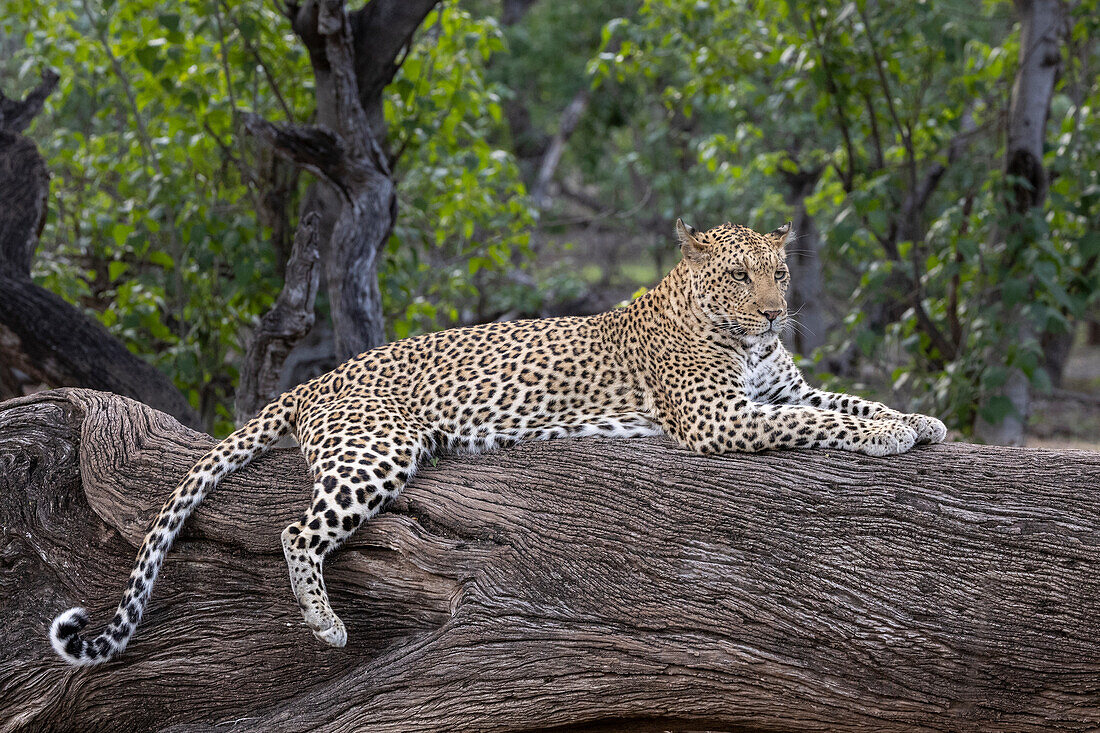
pixel 929 429
pixel 889 439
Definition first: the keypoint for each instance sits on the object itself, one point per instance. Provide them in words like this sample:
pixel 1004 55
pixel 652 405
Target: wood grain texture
pixel 574 585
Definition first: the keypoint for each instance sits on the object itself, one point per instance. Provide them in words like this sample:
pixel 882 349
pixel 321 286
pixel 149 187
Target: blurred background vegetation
pixel 543 151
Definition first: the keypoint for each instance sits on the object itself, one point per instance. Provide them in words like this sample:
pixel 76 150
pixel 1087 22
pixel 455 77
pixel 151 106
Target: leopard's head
pixel 738 278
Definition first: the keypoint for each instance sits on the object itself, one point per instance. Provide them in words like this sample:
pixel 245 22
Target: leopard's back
pixel 482 386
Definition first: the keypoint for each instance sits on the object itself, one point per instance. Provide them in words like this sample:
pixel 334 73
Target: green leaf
pixel 996 409
pixel 150 59
pixel 116 269
pixel 170 21
pixel 162 259
pixel 1014 290
pixel 867 341
pixel 120 232
pixel 249 27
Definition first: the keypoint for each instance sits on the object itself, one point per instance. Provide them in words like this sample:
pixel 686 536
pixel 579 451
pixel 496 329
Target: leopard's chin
pixel 767 331
pixel 766 337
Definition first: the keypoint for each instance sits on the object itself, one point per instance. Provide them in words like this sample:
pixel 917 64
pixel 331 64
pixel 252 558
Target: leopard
pixel 699 358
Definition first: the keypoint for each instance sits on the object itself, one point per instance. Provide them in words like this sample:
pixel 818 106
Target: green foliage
pixel 464 217
pixel 546 64
pixel 151 226
pixel 709 110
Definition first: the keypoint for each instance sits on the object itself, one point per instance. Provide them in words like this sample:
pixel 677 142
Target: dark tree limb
pixel 24 187
pixel 287 323
pixel 583 584
pixel 353 57
pixel 62 346
pixel 42 337
pixel 16 115
pixel 381 31
pixel 314 148
pixel 24 179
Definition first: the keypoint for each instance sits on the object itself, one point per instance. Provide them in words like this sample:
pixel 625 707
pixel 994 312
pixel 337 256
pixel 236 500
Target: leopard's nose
pixel 772 315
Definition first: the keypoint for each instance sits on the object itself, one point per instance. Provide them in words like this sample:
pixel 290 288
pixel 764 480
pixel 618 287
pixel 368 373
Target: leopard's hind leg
pixel 359 463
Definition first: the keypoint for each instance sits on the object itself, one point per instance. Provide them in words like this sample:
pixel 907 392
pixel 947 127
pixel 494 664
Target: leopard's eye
pixel 740 276
pixel 780 275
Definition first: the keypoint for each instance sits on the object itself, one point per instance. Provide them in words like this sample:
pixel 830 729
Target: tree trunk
pixel 1042 33
pixel 570 118
pixel 354 56
pixel 43 339
pixel 568 585
pixel 1056 350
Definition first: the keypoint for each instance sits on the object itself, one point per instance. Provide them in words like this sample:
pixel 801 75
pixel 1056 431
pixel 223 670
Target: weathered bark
pixel 1042 34
pixel 16 115
pixel 597 583
pixel 282 327
pixel 353 57
pixel 42 337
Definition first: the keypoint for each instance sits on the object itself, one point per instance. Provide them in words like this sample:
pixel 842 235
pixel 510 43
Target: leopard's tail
pixel 255 438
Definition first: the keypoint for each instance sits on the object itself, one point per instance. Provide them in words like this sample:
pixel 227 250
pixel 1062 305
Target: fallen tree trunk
pixel 583 584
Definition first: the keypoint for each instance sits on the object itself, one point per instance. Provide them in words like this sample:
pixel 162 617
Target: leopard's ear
pixel 694 251
pixel 782 236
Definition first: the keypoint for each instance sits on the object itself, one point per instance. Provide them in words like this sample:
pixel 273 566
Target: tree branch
pixel 570 118
pixel 846 176
pixel 313 147
pixel 262 64
pixel 287 323
pixel 381 29
pixel 903 129
pixel 906 225
pixel 16 116
pixel 880 157
pixel 917 199
pixel 66 347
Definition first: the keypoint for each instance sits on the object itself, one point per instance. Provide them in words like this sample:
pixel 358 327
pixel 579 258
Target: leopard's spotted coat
pixel 698 358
